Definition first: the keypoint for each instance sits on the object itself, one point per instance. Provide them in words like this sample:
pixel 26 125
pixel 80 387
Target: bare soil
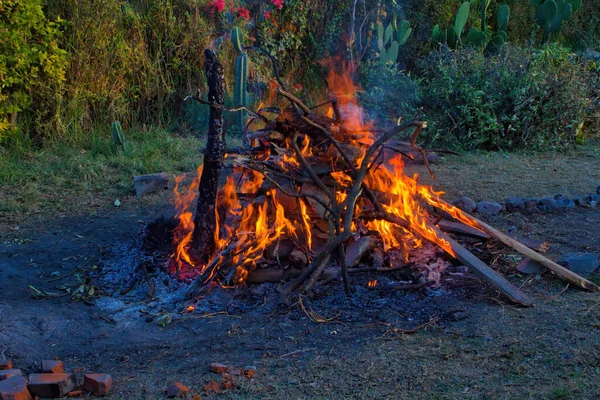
pixel 459 341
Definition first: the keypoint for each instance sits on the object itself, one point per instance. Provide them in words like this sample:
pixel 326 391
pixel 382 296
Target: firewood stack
pixel 318 189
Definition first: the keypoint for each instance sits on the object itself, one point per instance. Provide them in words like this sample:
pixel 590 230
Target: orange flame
pixel 372 283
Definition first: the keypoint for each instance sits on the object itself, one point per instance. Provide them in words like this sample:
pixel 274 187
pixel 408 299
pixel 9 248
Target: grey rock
pixel 581 201
pixel 580 263
pixel 515 204
pixel 465 204
pixel 531 206
pixel 145 184
pixel 592 204
pixel 549 203
pixel 569 203
pixel 528 266
pixel 594 197
pixel 542 208
pixel 598 190
pixel 488 208
pixel 590 55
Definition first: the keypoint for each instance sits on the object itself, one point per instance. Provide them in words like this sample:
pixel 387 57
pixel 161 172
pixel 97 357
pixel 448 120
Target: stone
pixel 145 184
pixel 590 55
pixel 249 371
pixel 97 384
pixel 531 206
pixel 580 263
pixel 177 390
pixel 594 197
pixel 14 388
pixel 52 366
pixel 51 385
pixel 217 368
pixel 548 203
pixel 560 201
pixel 5 364
pixel 569 203
pixel 358 249
pixel 515 204
pixel 488 208
pixel 528 266
pixel 592 204
pixel 581 201
pixel 465 204
pixel 542 208
pixel 9 373
pixel 598 190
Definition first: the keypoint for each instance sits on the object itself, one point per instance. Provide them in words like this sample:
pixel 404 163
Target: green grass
pixel 64 176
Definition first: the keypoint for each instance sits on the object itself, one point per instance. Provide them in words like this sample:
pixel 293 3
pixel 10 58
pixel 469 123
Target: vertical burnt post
pixel 205 220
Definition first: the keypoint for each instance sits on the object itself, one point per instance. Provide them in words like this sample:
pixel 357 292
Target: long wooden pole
pixel 558 269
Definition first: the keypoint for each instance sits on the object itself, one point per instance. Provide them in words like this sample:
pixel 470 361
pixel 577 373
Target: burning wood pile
pixel 316 190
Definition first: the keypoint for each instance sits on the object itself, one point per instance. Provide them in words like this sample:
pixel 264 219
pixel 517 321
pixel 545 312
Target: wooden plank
pixel 462 229
pixel 561 271
pixel 483 271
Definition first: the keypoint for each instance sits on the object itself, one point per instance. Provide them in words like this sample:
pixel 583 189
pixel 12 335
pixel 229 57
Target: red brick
pixel 5 364
pixel 14 388
pixel 52 366
pixel 98 384
pixel 217 368
pixel 51 385
pixel 177 390
pixel 9 373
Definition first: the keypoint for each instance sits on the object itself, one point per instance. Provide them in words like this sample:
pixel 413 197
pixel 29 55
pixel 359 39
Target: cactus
pixel 461 18
pixel 117 132
pixel 475 37
pixel 385 36
pixel 550 14
pixel 240 94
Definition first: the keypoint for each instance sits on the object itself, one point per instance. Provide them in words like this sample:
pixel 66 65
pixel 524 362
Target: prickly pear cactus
pixel 550 14
pixel 385 37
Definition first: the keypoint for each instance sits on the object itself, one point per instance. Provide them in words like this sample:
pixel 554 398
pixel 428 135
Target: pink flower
pixel 218 5
pixel 267 14
pixel 243 12
pixel 278 3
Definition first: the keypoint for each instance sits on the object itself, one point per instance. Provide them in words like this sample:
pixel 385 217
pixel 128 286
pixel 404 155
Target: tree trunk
pixel 205 221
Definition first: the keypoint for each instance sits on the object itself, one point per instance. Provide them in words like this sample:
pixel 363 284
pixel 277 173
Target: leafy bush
pixel 389 93
pixel 30 59
pixel 537 100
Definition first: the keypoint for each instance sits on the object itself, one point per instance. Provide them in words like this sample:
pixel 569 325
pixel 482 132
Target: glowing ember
pixel 372 283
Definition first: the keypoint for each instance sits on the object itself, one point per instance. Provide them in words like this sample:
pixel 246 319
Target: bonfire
pixel 314 192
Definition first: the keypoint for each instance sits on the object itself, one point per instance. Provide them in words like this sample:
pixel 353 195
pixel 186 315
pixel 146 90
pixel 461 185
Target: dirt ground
pixel 459 341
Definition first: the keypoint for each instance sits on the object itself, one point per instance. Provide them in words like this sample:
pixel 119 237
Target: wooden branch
pixel 294 100
pixel 205 220
pixel 561 271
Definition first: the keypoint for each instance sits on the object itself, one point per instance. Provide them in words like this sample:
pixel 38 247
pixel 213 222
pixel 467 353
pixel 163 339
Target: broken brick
pixel 52 366
pixel 5 364
pixel 9 373
pixel 249 371
pixel 51 385
pixel 14 388
pixel 217 368
pixel 227 385
pixel 97 384
pixel 196 397
pixel 212 386
pixel 75 393
pixel 177 390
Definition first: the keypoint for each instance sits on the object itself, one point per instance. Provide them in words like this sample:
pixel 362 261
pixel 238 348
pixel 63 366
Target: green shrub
pixel 536 100
pixel 31 60
pixel 389 93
